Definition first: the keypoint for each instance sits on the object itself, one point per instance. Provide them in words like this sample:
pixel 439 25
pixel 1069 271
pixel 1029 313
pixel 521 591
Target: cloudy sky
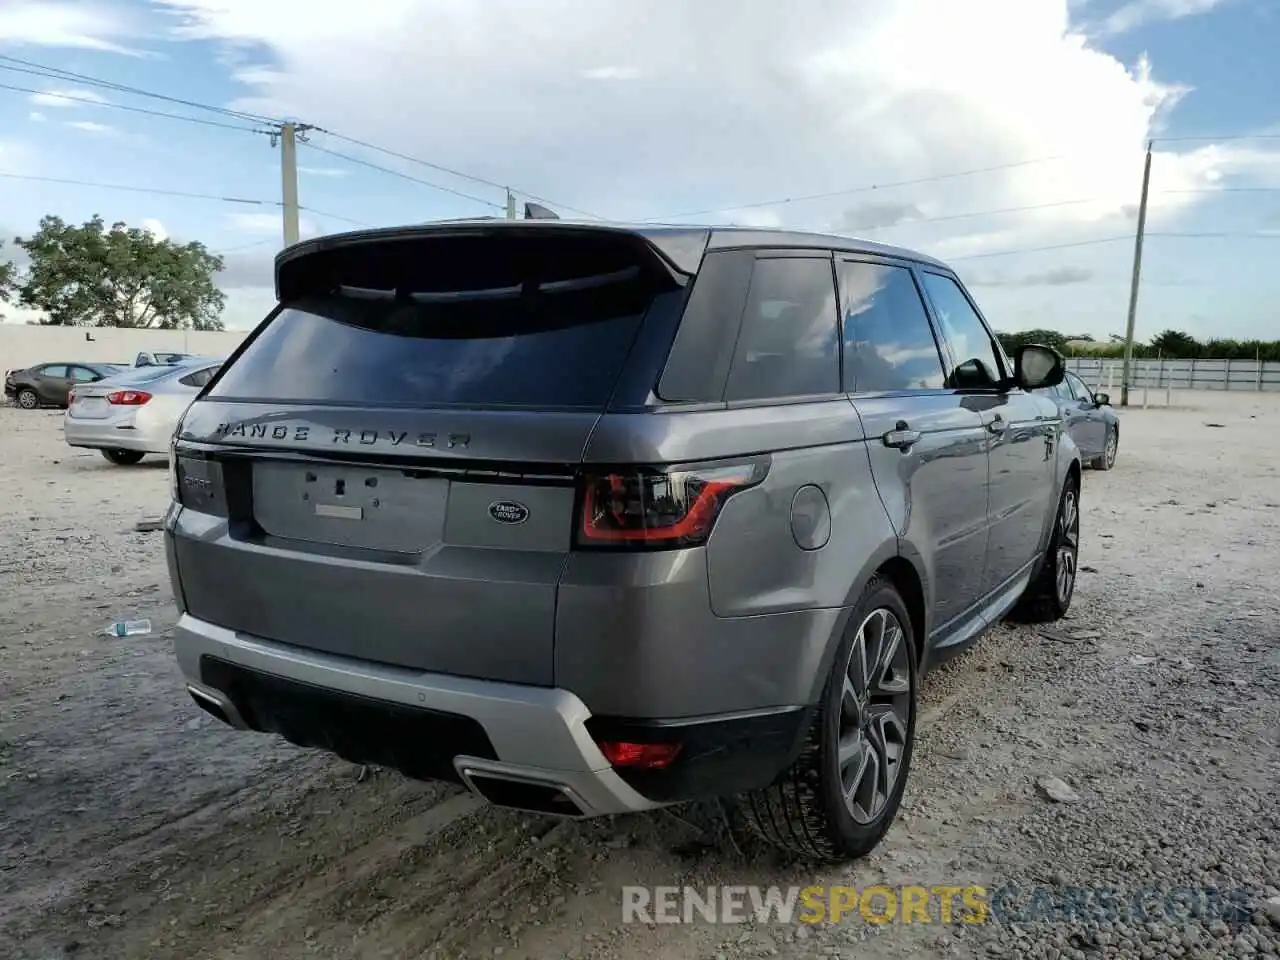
pixel 1005 136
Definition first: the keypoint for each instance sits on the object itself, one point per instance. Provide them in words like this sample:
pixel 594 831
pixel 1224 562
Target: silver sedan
pixel 135 413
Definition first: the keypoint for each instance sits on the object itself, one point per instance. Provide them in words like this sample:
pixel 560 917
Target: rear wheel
pixel 1109 448
pixel 1048 598
pixel 123 458
pixel 28 400
pixel 841 796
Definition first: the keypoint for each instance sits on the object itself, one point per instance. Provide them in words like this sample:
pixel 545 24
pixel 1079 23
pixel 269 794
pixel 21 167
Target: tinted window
pixel 1076 386
pixel 787 344
pixel 83 375
pixel 55 370
pixel 562 349
pixel 698 364
pixel 975 352
pixel 200 377
pixel 888 342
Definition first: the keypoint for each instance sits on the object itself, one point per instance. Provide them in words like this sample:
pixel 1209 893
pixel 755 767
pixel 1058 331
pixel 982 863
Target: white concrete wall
pixel 24 346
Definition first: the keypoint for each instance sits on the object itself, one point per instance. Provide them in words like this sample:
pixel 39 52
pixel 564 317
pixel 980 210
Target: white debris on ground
pixel 1130 752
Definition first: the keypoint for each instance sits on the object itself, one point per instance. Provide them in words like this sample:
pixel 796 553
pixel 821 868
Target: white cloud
pixel 1137 13
pixel 611 73
pixel 66 98
pixel 323 172
pixel 155 228
pixel 91 126
pixel 730 104
pixel 35 116
pixel 75 24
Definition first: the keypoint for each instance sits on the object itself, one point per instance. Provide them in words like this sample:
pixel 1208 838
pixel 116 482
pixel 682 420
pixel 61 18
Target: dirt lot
pixel 131 825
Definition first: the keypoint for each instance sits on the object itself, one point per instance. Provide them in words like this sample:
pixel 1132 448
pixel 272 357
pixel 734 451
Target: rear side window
pixel 558 338
pixel 56 370
pixel 200 377
pixel 787 345
pixel 888 341
pixel 977 365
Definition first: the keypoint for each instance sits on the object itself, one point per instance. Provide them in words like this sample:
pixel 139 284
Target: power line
pixel 405 176
pixel 1229 137
pixel 121 106
pixel 56 73
pixel 134 189
pixel 869 188
pixel 1102 240
pixel 1055 246
pixel 335 216
pixel 453 173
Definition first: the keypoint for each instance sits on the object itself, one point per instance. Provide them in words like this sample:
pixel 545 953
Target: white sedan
pixel 135 413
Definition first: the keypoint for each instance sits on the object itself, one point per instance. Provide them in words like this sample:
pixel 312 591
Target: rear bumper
pixel 518 746
pixel 109 435
pixel 533 743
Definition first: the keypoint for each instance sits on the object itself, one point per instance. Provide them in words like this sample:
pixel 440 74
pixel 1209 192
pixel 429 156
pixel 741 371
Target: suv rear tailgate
pixel 392 477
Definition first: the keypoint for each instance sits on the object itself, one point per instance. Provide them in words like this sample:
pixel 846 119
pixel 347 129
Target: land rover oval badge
pixel 508 511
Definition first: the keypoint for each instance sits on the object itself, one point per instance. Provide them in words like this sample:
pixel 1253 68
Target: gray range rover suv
pixel 593 519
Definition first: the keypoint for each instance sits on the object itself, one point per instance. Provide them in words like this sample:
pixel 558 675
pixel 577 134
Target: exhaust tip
pixel 545 798
pixel 209 705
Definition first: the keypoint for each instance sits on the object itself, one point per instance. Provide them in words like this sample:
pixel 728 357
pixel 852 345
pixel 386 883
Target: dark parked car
pixel 594 519
pixel 1090 419
pixel 49 384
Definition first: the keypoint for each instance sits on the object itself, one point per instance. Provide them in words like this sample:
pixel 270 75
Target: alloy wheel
pixel 1068 545
pixel 27 400
pixel 875 715
pixel 1109 453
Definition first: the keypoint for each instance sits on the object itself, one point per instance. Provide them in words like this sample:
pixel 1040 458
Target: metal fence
pixel 1107 374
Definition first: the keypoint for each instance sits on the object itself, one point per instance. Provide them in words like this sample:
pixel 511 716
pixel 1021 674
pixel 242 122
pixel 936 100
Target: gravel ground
pixel 133 826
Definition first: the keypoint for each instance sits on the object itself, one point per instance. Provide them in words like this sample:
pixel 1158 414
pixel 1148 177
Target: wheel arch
pixel 901 570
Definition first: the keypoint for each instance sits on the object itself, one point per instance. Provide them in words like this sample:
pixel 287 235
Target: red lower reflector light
pixel 644 756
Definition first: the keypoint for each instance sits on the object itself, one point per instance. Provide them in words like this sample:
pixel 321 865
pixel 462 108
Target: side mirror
pixel 1036 366
pixel 1102 399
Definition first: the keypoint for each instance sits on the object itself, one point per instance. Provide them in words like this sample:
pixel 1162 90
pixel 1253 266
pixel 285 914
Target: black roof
pixel 682 246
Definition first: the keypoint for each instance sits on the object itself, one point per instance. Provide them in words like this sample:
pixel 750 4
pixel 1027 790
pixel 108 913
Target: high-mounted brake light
pixel 650 508
pixel 128 398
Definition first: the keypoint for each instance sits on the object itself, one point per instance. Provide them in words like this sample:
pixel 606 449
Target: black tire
pixel 804 812
pixel 1048 598
pixel 1110 446
pixel 27 399
pixel 123 458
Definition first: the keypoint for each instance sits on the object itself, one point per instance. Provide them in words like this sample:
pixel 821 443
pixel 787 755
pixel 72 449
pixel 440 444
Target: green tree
pixel 8 278
pixel 91 276
pixel 1175 343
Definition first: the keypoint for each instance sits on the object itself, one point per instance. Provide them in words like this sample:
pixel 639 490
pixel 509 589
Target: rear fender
pixel 885 551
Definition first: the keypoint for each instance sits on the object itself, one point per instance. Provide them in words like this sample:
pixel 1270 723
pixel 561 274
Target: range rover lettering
pixel 593 518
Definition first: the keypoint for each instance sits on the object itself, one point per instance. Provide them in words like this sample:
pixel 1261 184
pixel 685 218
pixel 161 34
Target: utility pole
pixel 287 135
pixel 1137 279
pixel 511 205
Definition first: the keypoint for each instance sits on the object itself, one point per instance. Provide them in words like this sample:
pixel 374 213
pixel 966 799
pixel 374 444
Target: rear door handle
pixel 901 437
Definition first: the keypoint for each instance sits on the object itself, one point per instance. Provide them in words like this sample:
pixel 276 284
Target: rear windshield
pixel 139 374
pixel 560 343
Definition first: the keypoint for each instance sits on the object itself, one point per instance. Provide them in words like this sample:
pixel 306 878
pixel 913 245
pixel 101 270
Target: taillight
pixel 651 508
pixel 71 396
pixel 128 398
